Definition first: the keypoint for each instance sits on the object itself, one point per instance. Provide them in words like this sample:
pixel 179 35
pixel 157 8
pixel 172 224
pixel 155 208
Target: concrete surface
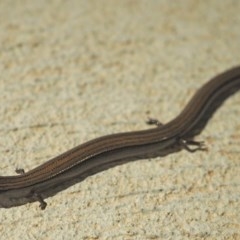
pixel 75 70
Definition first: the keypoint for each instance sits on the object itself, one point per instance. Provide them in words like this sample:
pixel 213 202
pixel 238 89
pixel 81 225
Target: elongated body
pixel 111 150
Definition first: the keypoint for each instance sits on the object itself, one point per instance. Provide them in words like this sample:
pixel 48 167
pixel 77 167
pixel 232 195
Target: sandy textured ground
pixel 75 70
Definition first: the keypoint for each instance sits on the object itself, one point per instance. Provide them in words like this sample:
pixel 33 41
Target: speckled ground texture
pixel 75 70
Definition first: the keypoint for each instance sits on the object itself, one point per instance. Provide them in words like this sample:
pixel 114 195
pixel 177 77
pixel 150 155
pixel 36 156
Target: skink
pixel 104 152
